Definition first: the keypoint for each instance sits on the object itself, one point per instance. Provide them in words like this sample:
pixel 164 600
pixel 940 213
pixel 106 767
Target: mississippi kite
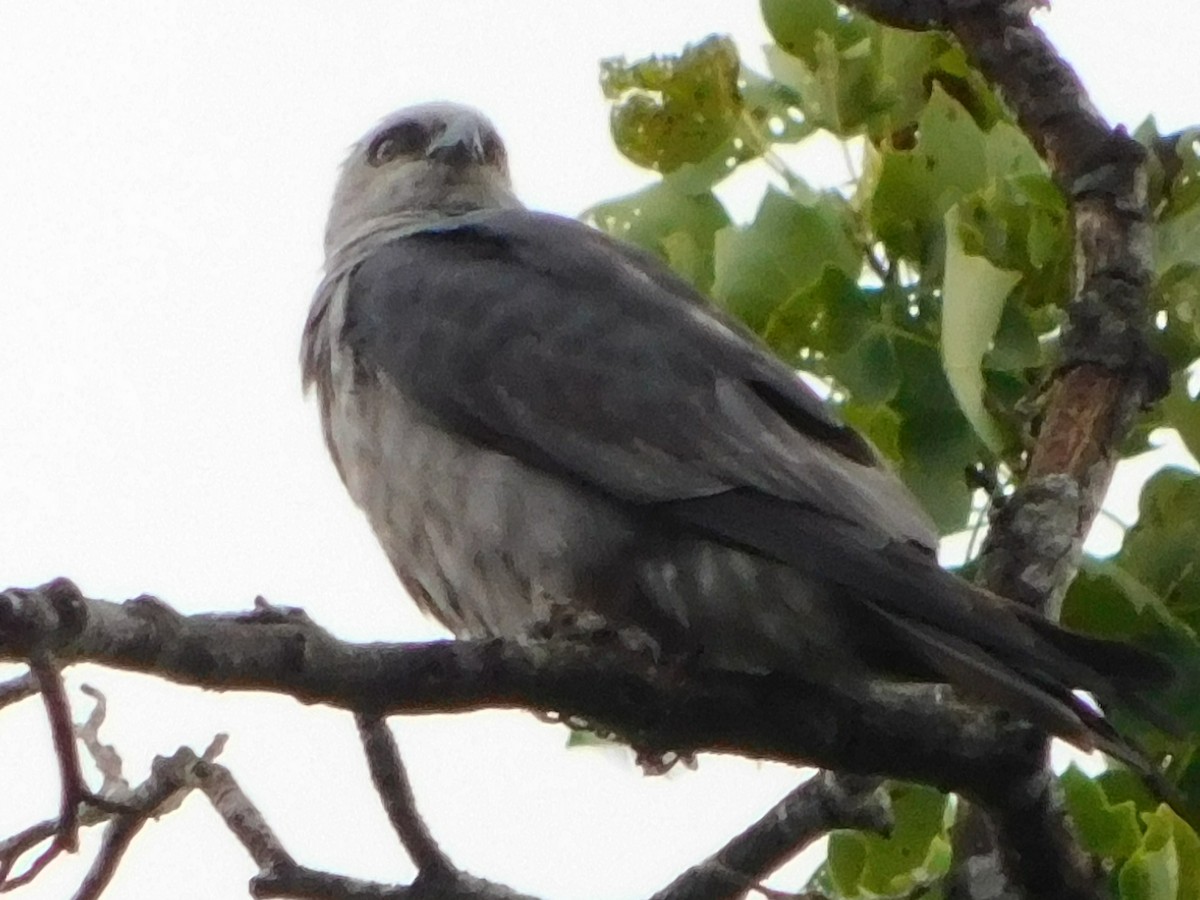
pixel 539 419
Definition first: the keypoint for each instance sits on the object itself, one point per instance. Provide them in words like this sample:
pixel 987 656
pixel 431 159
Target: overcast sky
pixel 165 169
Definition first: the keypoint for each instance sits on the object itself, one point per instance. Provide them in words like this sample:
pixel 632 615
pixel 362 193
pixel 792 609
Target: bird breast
pixel 485 543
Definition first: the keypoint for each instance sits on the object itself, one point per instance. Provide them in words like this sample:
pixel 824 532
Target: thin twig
pixel 243 818
pixel 124 809
pixel 73 789
pixel 169 777
pixel 281 876
pixel 17 689
pixel 823 803
pixel 391 782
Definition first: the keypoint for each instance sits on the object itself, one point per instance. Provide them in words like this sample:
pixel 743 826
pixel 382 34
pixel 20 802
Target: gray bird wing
pixel 546 339
pixel 542 338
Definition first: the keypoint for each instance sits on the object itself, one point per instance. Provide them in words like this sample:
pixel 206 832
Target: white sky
pixel 164 175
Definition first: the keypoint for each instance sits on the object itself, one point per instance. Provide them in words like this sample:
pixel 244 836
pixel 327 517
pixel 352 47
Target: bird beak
pixel 459 145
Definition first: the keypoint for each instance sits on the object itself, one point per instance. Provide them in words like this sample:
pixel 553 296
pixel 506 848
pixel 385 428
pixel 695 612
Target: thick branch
pixel 1108 372
pixel 907 733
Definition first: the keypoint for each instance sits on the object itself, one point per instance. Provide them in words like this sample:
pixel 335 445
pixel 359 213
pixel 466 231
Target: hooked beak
pixel 459 145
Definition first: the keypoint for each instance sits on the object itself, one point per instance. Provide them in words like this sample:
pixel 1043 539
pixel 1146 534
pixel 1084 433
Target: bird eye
pixel 405 139
pixel 493 152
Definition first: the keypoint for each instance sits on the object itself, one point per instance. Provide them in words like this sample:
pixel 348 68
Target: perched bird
pixel 543 423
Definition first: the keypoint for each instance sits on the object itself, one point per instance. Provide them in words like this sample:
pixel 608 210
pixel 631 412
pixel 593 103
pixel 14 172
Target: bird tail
pixel 923 620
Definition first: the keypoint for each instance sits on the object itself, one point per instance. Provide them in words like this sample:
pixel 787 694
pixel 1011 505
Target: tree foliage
pixel 928 293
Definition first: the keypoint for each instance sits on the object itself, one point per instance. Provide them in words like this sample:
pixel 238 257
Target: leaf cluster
pixel 927 293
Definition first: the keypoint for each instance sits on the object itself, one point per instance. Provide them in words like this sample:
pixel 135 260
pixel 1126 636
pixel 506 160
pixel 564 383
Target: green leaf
pixel 924 389
pixel 1177 240
pixel 1187 845
pixel 1178 292
pixel 937 443
pixel 952 146
pixel 973 295
pixel 826 317
pixel 1182 412
pixel 1150 593
pixel 1121 785
pixel 784 250
pixel 773 107
pixel 581 737
pixel 1015 226
pixel 915 188
pixel 830 57
pixel 1043 240
pixel 905 60
pixel 1015 345
pixel 903 206
pixel 944 495
pixel 771 114
pixel 797 25
pixel 879 423
pixel 954 73
pixel 1153 871
pixel 868 370
pixel 1107 601
pixel 1160 550
pixel 1010 154
pixel 1107 829
pixel 915 852
pixel 847 858
pixel 672 110
pixel 681 228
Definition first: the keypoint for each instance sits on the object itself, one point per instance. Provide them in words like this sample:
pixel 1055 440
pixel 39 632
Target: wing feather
pixel 543 337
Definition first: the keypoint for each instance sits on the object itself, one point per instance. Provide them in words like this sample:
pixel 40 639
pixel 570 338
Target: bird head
pixel 420 165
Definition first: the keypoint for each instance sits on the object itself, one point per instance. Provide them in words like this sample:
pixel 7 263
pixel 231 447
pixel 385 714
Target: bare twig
pixel 72 786
pixel 821 804
pixel 13 848
pixel 17 689
pixel 115 786
pixel 281 876
pixel 391 782
pixel 125 809
pixel 243 818
pixel 301 883
pixel 307 884
pixel 170 778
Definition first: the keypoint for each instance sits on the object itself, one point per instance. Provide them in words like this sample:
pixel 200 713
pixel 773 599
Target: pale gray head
pixel 419 165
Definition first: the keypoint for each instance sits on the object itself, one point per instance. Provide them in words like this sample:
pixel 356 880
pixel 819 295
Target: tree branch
pixel 911 733
pixel 169 778
pixel 391 782
pixel 823 803
pixel 1108 372
pixel 17 689
pixel 281 876
pixel 62 731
